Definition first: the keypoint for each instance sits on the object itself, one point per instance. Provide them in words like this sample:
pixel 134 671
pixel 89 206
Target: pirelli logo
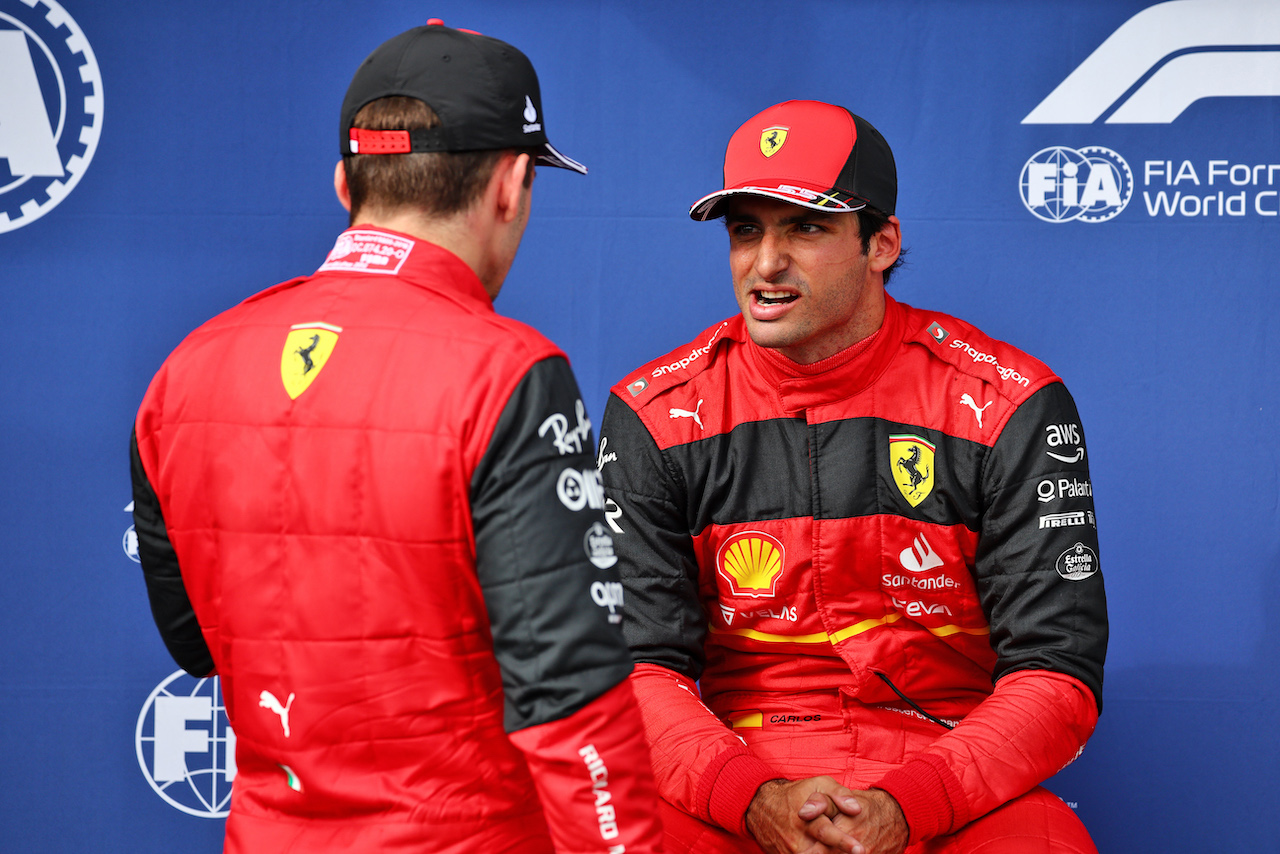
pixel 1066 520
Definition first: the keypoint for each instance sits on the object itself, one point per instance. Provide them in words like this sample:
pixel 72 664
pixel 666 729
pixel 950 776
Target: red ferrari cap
pixel 808 153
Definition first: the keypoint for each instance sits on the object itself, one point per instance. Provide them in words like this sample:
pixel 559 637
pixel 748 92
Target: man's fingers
pixel 822 830
pixel 818 804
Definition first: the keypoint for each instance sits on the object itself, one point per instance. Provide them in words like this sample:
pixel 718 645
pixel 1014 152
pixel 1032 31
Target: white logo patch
pixel 267 700
pixel 684 413
pixel 368 252
pixel 599 546
pixel 579 489
pixel 44 154
pixel 919 556
pixel 1142 43
pixel 568 441
pixel 968 401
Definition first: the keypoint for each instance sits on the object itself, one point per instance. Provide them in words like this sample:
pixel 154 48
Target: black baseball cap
pixel 808 153
pixel 484 90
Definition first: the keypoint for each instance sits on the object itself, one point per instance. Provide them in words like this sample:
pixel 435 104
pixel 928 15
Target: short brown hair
pixel 438 183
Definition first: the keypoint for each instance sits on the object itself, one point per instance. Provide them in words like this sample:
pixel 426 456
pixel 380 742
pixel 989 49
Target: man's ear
pixel 886 246
pixel 508 176
pixel 340 185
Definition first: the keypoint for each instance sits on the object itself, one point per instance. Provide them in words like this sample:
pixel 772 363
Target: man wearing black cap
pixel 369 504
pixel 866 530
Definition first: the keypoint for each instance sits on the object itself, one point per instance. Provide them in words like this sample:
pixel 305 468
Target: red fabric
pixel 1034 724
pixel 593 778
pixel 699 764
pixel 385 663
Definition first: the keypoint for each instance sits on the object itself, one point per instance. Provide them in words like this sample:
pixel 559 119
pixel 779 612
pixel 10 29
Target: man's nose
pixel 772 258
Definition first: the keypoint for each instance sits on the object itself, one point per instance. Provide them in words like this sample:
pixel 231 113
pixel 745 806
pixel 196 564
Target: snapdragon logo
pixel 1167 57
pixel 186 747
pixel 50 109
pixel 1091 184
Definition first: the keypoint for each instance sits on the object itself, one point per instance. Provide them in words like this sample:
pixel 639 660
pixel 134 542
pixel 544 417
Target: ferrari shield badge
pixel 771 140
pixel 306 350
pixel 911 459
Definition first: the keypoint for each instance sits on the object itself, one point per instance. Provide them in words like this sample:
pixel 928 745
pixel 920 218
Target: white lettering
pixel 1186 172
pixel 568 441
pixel 579 489
pixel 941 582
pixel 979 357
pixel 1048 490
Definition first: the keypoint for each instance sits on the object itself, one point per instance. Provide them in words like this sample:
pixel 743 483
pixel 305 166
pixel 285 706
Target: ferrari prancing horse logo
pixel 911 460
pixel 306 350
pixel 771 140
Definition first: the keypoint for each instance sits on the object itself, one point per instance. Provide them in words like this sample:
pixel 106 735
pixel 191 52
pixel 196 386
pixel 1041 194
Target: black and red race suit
pixel 368 503
pixel 903 529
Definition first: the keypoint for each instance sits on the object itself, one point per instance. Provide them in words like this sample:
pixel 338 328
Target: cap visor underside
pixel 830 201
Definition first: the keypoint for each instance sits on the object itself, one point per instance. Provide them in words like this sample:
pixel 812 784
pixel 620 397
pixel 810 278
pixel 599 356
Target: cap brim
pixel 829 201
pixel 551 157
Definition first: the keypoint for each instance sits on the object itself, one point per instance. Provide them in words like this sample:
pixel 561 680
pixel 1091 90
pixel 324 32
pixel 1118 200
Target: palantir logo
pixel 50 108
pixel 1091 184
pixel 1167 57
pixel 186 747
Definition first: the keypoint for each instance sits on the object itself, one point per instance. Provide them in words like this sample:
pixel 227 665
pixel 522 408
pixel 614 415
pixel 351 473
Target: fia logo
pixel 186 747
pixel 1091 184
pixel 50 112
pixel 1191 49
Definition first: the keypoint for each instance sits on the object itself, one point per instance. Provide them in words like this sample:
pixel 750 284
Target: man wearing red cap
pixel 368 503
pixel 857 539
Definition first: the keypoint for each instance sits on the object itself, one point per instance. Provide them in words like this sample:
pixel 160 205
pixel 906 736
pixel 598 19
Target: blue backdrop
pixel 1125 231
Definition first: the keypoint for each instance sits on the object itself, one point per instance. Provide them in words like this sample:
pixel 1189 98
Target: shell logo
pixel 751 562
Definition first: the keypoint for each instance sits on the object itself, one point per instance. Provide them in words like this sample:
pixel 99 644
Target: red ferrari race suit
pixel 368 503
pixel 882 567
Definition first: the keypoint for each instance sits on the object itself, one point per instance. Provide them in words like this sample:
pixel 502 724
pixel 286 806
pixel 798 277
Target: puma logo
pixel 969 402
pixel 267 700
pixel 684 413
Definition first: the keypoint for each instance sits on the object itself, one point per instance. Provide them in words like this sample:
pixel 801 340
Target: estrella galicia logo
pixel 50 108
pixel 186 747
pixel 1167 57
pixel 1090 184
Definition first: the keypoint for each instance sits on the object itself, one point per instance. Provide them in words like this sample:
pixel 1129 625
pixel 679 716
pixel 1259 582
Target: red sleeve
pixel 1033 725
pixel 699 764
pixel 592 774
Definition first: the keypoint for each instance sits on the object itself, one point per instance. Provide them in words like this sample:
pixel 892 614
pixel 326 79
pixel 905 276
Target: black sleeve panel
pixel 544 557
pixel 664 622
pixel 170 605
pixel 1037 565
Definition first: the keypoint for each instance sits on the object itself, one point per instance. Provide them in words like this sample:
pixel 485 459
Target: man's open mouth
pixel 775 297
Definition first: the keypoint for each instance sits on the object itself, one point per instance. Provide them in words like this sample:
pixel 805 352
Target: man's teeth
pixel 770 297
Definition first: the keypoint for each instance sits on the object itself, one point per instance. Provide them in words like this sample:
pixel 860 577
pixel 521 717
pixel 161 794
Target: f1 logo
pixel 1191 49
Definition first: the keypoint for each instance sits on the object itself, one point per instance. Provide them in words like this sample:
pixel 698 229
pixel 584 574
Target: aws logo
pixel 751 562
pixel 1167 57
pixel 50 108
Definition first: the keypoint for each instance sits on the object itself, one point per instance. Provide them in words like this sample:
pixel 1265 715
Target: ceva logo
pixel 50 109
pixel 186 747
pixel 1167 57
